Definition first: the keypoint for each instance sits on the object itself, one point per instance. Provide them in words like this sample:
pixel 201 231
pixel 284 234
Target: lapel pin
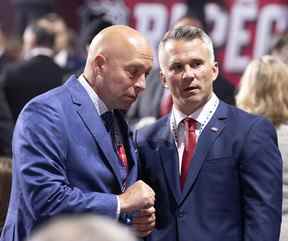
pixel 215 129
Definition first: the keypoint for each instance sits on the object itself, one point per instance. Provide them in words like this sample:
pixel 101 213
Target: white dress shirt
pixel 203 115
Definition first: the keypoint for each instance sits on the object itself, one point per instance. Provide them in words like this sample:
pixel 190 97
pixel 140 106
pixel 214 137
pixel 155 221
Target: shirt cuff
pixel 118 207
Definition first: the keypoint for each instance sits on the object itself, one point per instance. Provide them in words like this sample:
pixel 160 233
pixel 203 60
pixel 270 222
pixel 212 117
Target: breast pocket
pixel 219 161
pixel 219 183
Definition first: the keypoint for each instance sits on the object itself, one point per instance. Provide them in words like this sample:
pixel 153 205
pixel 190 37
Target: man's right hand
pixel 144 221
pixel 136 197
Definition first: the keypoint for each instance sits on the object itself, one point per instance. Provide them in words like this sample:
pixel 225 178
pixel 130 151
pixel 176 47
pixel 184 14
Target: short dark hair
pixel 43 36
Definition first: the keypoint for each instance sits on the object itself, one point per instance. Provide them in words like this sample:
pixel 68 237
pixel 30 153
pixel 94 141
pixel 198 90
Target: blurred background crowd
pixel 42 42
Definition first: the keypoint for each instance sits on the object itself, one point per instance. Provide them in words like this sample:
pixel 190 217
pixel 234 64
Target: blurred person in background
pixel 4 58
pixel 10 49
pixel 35 74
pixel 92 29
pixel 83 228
pixel 72 149
pixel 27 11
pixel 5 187
pixel 280 48
pixel 263 91
pixel 6 121
pixel 67 54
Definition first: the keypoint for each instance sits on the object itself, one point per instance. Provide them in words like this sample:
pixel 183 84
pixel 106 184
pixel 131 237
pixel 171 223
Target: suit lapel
pixel 132 174
pixel 205 141
pixel 94 124
pixel 169 160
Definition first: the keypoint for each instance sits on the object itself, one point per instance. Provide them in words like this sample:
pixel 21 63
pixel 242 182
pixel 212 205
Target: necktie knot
pixel 190 124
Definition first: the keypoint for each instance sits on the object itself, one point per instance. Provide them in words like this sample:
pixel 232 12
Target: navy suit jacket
pixel 63 161
pixel 233 191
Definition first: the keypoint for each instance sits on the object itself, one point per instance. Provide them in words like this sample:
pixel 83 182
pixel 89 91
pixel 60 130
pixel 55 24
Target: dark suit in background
pixel 36 74
pixel 23 81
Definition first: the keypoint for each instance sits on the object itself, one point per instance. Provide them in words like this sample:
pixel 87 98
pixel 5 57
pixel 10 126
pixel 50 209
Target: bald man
pixel 72 149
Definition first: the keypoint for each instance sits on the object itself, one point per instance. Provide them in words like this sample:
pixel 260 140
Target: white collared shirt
pixel 38 51
pixel 100 106
pixel 203 115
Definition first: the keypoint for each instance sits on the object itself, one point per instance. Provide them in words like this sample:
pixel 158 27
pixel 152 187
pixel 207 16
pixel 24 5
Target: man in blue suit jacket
pixel 233 189
pixel 64 159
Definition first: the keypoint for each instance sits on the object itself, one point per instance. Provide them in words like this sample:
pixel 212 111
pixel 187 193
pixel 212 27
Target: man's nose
pixel 140 84
pixel 188 71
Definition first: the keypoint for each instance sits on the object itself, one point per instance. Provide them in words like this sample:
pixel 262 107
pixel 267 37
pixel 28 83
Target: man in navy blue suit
pixel 70 155
pixel 220 177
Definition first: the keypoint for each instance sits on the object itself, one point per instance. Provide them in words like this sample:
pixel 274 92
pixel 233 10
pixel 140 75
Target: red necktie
pixel 190 144
pixel 122 155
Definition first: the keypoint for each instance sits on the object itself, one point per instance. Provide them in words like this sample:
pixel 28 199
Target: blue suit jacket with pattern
pixel 63 161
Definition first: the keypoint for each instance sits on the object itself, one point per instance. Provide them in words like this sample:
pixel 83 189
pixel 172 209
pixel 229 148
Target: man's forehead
pixel 195 48
pixel 173 45
pixel 147 55
pixel 144 62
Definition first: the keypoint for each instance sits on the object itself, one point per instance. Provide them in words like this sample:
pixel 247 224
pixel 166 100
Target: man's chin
pixel 125 106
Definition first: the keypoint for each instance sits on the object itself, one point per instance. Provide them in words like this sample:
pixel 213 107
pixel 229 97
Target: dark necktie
pixel 107 119
pixel 116 137
pixel 190 144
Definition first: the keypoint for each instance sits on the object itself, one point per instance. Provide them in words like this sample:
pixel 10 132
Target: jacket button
pixel 180 214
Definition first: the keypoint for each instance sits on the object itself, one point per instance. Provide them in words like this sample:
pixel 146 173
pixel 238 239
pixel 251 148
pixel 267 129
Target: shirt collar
pixel 100 106
pixel 200 115
pixel 38 51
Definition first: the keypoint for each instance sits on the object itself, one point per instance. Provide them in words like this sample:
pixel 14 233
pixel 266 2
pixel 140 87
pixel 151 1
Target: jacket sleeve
pixel 261 183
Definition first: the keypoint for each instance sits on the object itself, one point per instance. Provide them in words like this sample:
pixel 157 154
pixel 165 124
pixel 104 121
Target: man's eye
pixel 132 72
pixel 177 67
pixel 196 64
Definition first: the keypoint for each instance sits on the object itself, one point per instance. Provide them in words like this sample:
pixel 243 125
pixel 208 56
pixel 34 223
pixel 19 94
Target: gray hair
pixel 188 33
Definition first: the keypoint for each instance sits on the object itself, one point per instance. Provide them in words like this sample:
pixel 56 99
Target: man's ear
pixel 163 79
pixel 215 70
pixel 99 62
